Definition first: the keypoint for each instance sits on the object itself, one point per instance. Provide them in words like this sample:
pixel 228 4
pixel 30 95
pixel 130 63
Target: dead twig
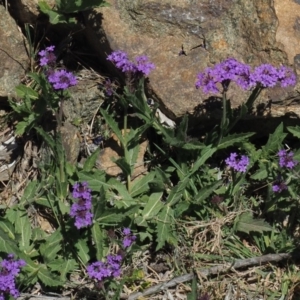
pixel 238 264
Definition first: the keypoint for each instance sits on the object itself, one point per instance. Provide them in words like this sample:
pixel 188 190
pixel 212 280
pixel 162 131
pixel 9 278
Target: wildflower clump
pixel 142 65
pixel 238 163
pixel 286 160
pixel 279 186
pixel 10 268
pixel 61 79
pixel 111 268
pixel 231 70
pixel 81 210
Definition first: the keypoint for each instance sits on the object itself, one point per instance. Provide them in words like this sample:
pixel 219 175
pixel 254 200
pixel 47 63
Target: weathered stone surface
pixel 244 29
pixel 13 57
pixel 86 98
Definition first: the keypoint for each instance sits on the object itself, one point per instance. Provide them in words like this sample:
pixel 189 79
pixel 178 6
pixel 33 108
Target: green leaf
pixel 23 90
pixel 164 227
pixel 21 127
pixel 275 140
pixel 98 237
pixel 206 153
pixel 48 278
pixel 122 163
pixel 141 185
pixel 246 223
pixel 294 130
pixel 193 295
pixel 261 173
pixel 52 246
pixel 177 192
pixel 205 192
pixel 54 16
pixel 113 125
pixel 152 207
pixel 91 160
pixel 63 266
pixel 7 228
pixel 230 140
pixel 83 250
pixel 95 179
pixel 29 192
pixel 23 227
pixel 7 245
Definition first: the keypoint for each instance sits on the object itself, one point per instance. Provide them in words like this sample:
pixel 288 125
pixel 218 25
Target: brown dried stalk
pixel 238 264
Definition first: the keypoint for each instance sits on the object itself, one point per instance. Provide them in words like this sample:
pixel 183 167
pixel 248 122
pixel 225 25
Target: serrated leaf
pixel 96 179
pixel 177 192
pixel 294 130
pixel 275 140
pixel 52 246
pixel 246 223
pixel 113 125
pixel 141 185
pixel 205 192
pixel 261 173
pixel 23 227
pixel 152 207
pixel 122 163
pixel 206 153
pixel 83 250
pixel 7 245
pixel 63 266
pixel 48 278
pixel 29 192
pixel 91 160
pixel 230 140
pixel 7 228
pixel 98 237
pixel 164 226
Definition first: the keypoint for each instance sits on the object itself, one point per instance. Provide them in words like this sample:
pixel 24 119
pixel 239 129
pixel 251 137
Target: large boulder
pixel 13 55
pixel 208 31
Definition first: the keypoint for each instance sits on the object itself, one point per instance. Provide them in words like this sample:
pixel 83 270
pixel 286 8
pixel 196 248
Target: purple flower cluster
pixel 279 186
pixel 286 159
pixel 129 238
pixel 102 270
pixel 61 79
pixel 48 58
pixel 238 163
pixel 81 210
pixel 10 269
pixel 142 64
pixel 231 70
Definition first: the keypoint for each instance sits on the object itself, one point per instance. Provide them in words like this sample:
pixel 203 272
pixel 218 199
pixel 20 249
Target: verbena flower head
pixel 207 81
pixel 122 62
pixel 143 65
pixel 286 76
pixel 238 163
pixel 286 159
pixel 111 268
pixel 279 186
pixel 266 75
pixel 129 238
pixel 10 268
pixel 48 58
pixel 81 210
pixel 61 79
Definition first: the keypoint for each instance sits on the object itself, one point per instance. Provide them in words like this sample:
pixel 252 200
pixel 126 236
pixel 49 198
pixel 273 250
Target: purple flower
pixel 207 81
pixel 143 65
pixel 286 76
pixel 81 210
pixel 286 159
pixel 129 238
pixel 61 79
pixel 10 269
pixel 237 163
pixel 266 75
pixel 108 87
pixel 111 268
pixel 279 186
pixel 48 58
pixel 122 62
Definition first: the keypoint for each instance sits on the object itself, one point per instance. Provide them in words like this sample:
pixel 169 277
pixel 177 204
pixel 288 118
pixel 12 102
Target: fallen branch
pixel 238 264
